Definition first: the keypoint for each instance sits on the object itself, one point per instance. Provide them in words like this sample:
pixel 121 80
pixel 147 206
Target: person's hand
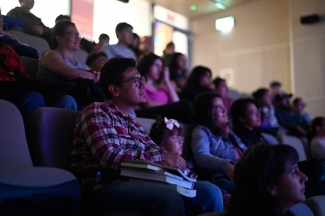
pixel 13 37
pixel 230 171
pixel 38 30
pixel 165 74
pixel 97 76
pixel 174 159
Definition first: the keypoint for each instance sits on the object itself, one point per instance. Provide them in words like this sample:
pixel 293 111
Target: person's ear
pixel 274 190
pixel 58 38
pixel 318 128
pixel 113 89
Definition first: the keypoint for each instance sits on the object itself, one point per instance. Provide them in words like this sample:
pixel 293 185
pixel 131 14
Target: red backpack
pixel 11 67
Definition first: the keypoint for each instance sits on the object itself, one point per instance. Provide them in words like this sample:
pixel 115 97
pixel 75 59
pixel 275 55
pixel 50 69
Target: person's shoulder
pixel 200 129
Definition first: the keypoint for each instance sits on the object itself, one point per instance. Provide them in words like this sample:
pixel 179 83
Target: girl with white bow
pixel 167 134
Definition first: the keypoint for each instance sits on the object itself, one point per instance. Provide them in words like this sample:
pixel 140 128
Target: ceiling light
pixel 221 6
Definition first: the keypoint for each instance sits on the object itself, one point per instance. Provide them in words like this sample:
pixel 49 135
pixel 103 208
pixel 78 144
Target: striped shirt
pixel 103 138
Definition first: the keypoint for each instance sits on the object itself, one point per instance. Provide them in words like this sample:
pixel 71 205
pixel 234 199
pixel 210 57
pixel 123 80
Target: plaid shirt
pixel 103 138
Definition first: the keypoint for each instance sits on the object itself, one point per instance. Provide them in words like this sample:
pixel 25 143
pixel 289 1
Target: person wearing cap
pixel 275 88
pixel 303 119
pixel 286 120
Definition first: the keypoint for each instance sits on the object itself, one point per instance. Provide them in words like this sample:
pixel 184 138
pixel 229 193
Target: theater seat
pixel 297 144
pixel 25 189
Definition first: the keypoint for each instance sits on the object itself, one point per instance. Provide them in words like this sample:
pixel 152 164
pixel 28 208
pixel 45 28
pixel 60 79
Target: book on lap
pixel 143 164
pixel 181 190
pixel 156 176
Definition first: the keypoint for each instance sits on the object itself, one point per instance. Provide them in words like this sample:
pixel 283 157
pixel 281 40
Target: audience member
pixel 214 146
pixel 198 82
pixel 105 135
pixel 303 119
pixel 268 182
pixel 275 88
pixel 168 53
pixel 59 65
pixel 167 134
pixel 246 121
pixel 124 35
pixel 13 41
pixel 33 24
pixel 102 41
pixel 221 88
pixel 96 60
pixel 145 45
pixel 269 122
pixel 135 45
pixel 158 89
pixel 178 70
pixel 316 137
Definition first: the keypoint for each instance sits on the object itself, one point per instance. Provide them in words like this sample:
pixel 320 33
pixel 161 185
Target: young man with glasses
pixel 105 135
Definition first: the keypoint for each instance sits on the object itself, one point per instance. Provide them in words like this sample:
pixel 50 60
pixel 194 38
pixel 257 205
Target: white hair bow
pixel 170 123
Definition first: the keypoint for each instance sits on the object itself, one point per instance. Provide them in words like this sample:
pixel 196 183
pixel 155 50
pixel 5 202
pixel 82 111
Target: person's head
pixel 283 100
pixel 145 45
pixel 263 97
pixel 220 87
pixel 66 35
pixel 318 127
pixel 150 66
pixel 200 76
pixel 103 39
pixel 210 111
pixel 121 82
pixel 244 112
pixel 178 62
pixel 135 41
pixel 62 17
pixel 27 4
pixel 170 48
pixel 96 60
pixel 268 181
pixel 167 134
pixel 275 87
pixel 124 33
pixel 298 105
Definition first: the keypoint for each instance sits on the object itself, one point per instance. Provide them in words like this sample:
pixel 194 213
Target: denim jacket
pixel 214 152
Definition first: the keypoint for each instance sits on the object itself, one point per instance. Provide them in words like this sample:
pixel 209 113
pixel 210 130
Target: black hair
pixel 173 61
pixel 296 101
pixel 112 72
pixel 159 131
pixel 121 26
pixel 274 84
pixel 170 44
pixel 103 37
pixel 62 17
pixel 217 81
pixel 316 122
pixel 145 62
pixel 259 168
pixel 60 29
pixel 259 93
pixel 197 73
pixel 239 109
pixel 203 111
pixel 93 56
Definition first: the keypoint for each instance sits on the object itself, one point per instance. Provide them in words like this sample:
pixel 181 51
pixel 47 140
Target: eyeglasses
pixel 177 138
pixel 220 109
pixel 136 80
pixel 74 34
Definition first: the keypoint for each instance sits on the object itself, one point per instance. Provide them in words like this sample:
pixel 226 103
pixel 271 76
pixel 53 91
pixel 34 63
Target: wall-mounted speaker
pixel 309 19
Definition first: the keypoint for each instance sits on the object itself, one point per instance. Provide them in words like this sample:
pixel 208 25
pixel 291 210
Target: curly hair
pixel 145 62
pixel 159 131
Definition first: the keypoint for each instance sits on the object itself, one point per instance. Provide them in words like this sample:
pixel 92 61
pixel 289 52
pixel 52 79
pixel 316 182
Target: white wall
pixel 108 13
pixel 44 9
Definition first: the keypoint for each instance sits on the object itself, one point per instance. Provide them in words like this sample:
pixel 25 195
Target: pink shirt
pixel 160 95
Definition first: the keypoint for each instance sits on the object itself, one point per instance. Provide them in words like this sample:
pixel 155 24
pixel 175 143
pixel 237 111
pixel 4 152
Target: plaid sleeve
pixel 101 138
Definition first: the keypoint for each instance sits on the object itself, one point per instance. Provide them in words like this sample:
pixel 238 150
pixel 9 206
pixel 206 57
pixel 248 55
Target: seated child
pixel 166 133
